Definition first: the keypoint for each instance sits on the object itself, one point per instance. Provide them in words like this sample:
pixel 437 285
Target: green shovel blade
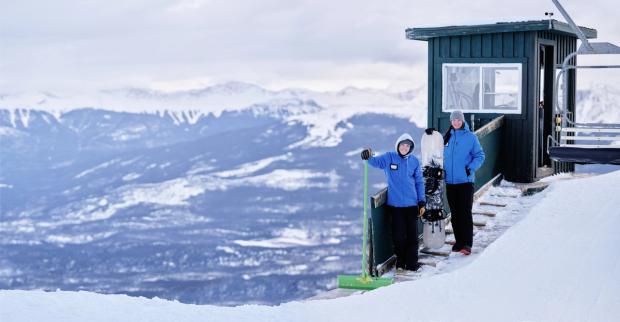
pixel 363 282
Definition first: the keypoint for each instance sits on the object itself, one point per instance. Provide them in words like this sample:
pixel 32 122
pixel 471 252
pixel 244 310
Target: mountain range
pixel 230 194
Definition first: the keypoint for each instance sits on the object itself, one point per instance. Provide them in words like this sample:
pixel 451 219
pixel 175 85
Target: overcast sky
pixel 65 45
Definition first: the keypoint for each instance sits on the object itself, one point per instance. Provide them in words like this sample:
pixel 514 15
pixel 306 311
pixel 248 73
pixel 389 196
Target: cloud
pixel 170 44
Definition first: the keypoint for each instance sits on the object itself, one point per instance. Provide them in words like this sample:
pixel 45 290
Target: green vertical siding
pixel 519 140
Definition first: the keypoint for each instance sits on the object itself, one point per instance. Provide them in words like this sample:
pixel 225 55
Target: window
pixel 500 83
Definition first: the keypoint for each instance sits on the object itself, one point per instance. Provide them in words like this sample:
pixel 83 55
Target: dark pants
pixel 460 199
pixel 405 236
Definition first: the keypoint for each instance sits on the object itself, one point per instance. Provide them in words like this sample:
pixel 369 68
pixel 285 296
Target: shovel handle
pixel 365 223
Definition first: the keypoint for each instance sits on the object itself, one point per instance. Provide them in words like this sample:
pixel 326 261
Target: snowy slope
pixel 558 264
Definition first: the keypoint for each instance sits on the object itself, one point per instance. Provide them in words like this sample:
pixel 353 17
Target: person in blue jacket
pixel 462 156
pixel 405 198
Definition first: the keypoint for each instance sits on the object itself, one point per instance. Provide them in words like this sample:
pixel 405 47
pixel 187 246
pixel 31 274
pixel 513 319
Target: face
pixel 457 124
pixel 403 148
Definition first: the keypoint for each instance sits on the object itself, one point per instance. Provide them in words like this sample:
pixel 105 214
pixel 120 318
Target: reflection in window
pixel 500 83
pixel 462 83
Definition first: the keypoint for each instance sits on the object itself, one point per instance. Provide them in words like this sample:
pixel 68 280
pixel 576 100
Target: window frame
pixel 519 67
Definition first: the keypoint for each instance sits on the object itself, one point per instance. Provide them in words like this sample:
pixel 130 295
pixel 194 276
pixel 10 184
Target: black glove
pixel 447 135
pixel 430 130
pixel 468 171
pixel 366 153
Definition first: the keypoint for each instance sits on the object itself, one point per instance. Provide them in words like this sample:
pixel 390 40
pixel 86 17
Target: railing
pixel 490 137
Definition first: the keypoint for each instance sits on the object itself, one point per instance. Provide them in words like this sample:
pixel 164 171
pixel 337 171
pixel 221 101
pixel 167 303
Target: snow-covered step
pixel 443 252
pixel 427 260
pixel 493 203
pixel 487 213
pixel 504 195
pixel 408 276
pixel 531 188
pixel 450 231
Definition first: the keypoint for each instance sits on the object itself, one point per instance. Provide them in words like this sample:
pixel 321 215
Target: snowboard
pixel 434 232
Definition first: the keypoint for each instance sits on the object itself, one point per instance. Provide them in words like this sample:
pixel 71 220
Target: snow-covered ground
pixel 559 263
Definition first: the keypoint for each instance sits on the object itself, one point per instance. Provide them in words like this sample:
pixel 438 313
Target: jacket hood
pixel 403 137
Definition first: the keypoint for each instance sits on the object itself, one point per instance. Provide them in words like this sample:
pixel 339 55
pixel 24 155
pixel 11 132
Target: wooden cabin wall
pixel 515 47
pixel 519 47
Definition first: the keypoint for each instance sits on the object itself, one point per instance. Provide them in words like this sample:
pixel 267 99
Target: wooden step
pixel 477 223
pixel 428 262
pixel 436 252
pixel 492 203
pixel 487 213
pixel 480 223
pixel 503 195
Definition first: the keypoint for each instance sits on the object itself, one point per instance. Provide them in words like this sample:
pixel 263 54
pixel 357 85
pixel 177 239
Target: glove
pixel 447 135
pixel 429 131
pixel 468 171
pixel 366 153
pixel 421 206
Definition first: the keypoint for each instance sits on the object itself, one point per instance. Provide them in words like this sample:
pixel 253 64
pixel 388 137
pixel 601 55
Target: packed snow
pixel 559 263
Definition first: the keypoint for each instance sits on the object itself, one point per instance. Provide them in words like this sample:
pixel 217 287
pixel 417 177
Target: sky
pixel 170 45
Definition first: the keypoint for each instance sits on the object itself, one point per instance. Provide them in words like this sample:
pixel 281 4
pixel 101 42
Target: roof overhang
pixel 541 25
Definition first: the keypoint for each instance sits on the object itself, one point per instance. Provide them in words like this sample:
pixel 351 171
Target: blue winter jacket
pixel 404 176
pixel 462 150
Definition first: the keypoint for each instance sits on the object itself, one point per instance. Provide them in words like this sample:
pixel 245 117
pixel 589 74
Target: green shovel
pixel 363 281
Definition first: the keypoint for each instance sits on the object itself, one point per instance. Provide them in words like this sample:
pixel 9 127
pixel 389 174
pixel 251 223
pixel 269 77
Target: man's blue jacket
pixel 462 151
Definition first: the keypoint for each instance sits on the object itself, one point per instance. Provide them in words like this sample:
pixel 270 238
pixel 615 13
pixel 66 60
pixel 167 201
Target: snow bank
pixel 558 264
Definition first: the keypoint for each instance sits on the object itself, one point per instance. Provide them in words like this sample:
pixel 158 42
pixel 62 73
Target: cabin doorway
pixel 544 108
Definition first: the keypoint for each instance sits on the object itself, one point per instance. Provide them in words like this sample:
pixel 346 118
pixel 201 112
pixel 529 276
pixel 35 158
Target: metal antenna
pixel 582 37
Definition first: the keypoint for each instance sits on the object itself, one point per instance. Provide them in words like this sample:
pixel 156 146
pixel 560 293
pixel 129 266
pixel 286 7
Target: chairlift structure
pixel 584 143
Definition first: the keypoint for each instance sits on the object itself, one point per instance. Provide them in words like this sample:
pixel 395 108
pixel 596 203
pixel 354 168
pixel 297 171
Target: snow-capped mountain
pixel 598 104
pixel 323 113
pixel 232 96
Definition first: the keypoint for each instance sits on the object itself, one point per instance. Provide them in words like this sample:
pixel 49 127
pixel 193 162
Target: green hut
pixel 503 69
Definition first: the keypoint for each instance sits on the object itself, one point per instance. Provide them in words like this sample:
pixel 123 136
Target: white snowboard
pixel 431 148
pixel 434 232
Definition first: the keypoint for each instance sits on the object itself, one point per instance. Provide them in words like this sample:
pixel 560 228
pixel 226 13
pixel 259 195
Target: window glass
pixel 501 88
pixel 500 84
pixel 461 84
